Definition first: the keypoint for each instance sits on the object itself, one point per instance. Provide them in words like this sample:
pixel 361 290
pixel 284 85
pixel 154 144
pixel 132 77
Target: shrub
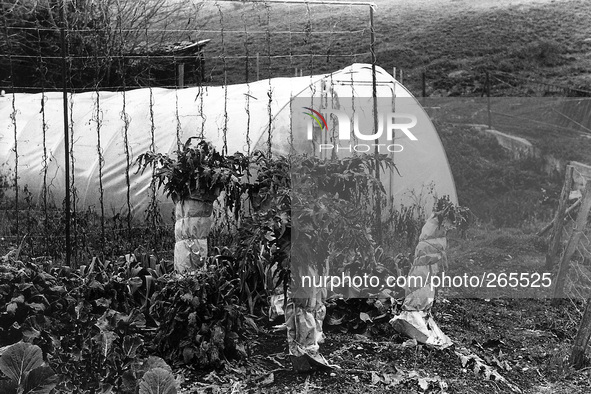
pixel 497 188
pixel 540 53
pixel 200 316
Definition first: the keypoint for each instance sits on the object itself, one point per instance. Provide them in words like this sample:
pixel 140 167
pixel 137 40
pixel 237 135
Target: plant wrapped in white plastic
pixel 430 257
pixel 194 179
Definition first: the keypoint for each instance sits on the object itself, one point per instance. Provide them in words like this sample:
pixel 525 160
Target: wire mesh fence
pixel 125 71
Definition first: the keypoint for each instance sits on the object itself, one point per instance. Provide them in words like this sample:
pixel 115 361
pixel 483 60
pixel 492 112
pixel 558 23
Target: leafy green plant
pixel 197 171
pixel 405 222
pixel 333 211
pixel 91 323
pixel 200 315
pixel 331 203
pixel 152 376
pixel 27 373
pixel 457 216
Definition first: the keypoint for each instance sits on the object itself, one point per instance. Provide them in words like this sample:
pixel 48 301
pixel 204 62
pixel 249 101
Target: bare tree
pixel 99 34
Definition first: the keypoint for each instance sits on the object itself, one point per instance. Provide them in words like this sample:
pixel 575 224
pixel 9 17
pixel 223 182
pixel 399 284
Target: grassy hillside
pixel 545 40
pixel 500 190
pixel 549 39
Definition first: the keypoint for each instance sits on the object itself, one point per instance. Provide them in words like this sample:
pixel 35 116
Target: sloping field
pixel 548 38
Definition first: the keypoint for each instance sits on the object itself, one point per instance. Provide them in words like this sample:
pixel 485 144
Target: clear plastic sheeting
pixel 421 326
pixel 276 303
pixel 256 117
pixel 188 254
pixel 415 319
pixel 304 318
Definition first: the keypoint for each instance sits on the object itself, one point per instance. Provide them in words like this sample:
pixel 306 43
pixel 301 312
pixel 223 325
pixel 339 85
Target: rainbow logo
pixel 317 116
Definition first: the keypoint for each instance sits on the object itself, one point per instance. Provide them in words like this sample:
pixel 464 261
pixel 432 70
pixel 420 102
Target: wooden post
pixel 258 67
pixel 573 242
pixel 201 67
pixel 66 140
pixel 424 86
pixel 181 82
pixel 577 357
pixel 378 200
pixel 488 99
pixel 559 218
pixel 550 225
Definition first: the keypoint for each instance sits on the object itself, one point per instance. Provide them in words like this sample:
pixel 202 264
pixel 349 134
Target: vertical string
pixel 178 85
pixel 14 125
pixel 225 212
pixel 352 84
pixel 178 119
pixel 74 191
pixel 43 74
pixel 153 199
pixel 312 87
pixel 246 50
pixel 203 117
pixel 64 79
pixel 375 122
pixel 291 97
pixel 44 158
pixel 270 92
pixel 201 93
pixel 15 150
pixel 72 237
pixel 152 210
pixel 335 104
pixel 248 94
pixel 309 38
pixel 98 120
pixel 331 39
pixel 225 69
pixel 126 120
pixel 307 41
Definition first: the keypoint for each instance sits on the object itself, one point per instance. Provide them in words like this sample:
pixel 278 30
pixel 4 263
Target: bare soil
pixel 527 341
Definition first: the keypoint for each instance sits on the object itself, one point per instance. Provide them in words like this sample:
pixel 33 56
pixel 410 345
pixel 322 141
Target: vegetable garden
pixel 104 298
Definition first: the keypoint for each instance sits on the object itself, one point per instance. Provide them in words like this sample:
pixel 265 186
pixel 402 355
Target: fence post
pixel 573 242
pixel 577 358
pixel 488 99
pixel 559 218
pixel 66 131
pixel 424 86
pixel 181 71
pixel 372 46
